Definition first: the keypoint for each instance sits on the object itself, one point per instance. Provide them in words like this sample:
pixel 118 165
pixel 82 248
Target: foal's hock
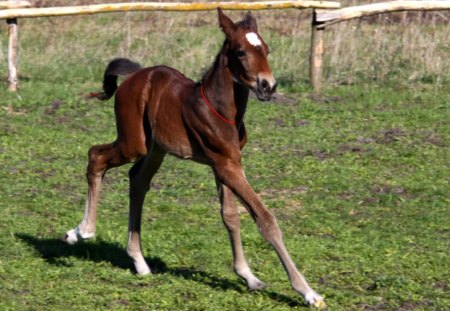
pixel 159 111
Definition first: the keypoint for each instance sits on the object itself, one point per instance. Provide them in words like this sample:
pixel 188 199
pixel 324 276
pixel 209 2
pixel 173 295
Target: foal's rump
pixel 148 107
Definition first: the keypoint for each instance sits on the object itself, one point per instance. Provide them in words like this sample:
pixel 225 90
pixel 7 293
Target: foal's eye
pixel 240 53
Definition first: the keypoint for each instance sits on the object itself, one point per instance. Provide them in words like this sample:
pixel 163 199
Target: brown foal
pixel 159 111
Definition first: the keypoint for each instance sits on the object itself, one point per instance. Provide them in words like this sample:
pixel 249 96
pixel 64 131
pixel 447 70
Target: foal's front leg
pixel 230 173
pixel 230 217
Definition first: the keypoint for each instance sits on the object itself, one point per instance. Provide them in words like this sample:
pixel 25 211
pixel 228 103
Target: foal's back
pixel 149 105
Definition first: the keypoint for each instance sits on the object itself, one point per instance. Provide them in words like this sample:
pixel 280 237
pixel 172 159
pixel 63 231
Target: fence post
pixel 316 56
pixel 13 57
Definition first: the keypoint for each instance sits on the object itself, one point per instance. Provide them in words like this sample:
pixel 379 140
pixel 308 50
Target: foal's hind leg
pixel 101 158
pixel 230 217
pixel 140 177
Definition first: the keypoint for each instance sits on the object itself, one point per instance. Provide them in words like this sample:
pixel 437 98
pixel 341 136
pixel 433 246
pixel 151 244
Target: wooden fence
pixel 14 10
pixel 323 16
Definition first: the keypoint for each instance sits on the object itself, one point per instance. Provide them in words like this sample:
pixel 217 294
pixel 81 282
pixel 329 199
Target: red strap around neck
pixel 213 110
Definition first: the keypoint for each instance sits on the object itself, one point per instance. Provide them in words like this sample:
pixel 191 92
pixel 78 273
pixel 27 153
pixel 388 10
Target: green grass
pixel 358 181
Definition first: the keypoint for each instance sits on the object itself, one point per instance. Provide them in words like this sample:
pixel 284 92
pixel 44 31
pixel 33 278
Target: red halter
pixel 212 108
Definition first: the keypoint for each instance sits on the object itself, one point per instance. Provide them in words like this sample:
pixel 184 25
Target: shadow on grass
pixel 55 251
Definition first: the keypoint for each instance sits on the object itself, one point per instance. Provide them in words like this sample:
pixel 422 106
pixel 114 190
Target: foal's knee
pixel 229 172
pixel 268 226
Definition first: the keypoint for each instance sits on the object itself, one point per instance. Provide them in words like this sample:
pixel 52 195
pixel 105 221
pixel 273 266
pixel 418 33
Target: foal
pixel 159 111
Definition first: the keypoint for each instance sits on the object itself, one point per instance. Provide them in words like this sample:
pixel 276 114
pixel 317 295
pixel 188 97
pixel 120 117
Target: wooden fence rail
pixel 327 18
pixel 323 16
pixel 161 6
pixel 15 10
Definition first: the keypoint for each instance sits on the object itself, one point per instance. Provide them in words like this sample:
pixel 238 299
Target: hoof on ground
pixel 256 285
pixel 75 235
pixel 315 300
pixel 71 237
pixel 143 271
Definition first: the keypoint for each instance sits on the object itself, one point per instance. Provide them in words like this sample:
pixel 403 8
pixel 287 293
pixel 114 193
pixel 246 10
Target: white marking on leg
pixel 80 233
pixel 314 299
pixel 141 265
pixel 135 252
pixel 253 39
pixel 252 281
pixel 75 235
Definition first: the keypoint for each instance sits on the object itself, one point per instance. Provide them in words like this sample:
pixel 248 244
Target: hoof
pixel 75 235
pixel 71 237
pixel 315 300
pixel 256 285
pixel 252 281
pixel 140 265
pixel 145 271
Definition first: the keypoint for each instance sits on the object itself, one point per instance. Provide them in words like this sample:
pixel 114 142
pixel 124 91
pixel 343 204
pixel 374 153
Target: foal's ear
pixel 250 21
pixel 227 25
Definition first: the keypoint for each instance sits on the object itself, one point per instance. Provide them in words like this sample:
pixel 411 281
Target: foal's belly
pixel 170 100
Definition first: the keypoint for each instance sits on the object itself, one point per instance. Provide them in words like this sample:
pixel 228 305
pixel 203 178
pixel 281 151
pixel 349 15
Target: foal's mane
pixel 245 23
pixel 217 62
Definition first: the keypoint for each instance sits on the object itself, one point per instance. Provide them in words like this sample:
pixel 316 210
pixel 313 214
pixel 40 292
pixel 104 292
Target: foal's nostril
pixel 265 85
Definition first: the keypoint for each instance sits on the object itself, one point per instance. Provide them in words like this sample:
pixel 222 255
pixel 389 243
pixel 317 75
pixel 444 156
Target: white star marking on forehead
pixel 253 39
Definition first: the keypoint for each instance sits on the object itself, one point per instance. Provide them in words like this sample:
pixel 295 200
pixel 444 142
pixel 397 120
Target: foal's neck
pixel 228 97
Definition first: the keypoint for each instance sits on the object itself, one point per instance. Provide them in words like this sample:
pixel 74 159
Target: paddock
pixel 357 176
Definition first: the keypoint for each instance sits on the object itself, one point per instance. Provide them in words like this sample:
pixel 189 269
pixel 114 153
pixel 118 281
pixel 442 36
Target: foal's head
pixel 247 55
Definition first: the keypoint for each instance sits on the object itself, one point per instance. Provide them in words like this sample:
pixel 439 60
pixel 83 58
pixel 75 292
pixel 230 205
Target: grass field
pixel 359 179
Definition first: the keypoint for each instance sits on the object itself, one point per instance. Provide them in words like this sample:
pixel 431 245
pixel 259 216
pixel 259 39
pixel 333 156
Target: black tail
pixel 117 67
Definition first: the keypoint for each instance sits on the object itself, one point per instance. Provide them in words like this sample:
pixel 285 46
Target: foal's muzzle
pixel 265 87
